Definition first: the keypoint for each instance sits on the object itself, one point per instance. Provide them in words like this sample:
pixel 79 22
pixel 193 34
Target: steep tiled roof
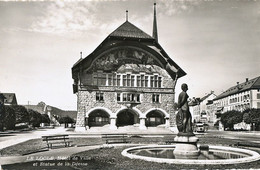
pixel 129 30
pixel 250 84
pixel 10 98
pixel 37 108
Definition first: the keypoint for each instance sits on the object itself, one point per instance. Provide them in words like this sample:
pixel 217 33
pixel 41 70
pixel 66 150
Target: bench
pixel 57 139
pixel 169 142
pixel 116 138
pixel 247 144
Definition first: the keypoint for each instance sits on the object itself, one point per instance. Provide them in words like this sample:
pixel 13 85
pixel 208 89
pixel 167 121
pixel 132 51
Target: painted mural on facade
pixel 113 59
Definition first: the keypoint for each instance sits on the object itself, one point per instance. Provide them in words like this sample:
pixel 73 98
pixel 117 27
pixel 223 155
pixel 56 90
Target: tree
pixel 45 118
pixel 230 118
pixel 66 120
pixel 252 116
pixel 10 118
pixel 22 115
pixel 2 112
pixel 34 117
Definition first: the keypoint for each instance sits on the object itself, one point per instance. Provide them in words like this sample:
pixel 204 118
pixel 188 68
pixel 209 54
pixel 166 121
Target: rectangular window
pixel 128 97
pixel 138 97
pixel 114 80
pixel 99 79
pixel 133 97
pixel 132 81
pixel 110 79
pixel 152 119
pixel 118 97
pixel 99 96
pixel 258 96
pixel 124 97
pixel 95 79
pixel 258 105
pixel 146 81
pixel 118 80
pixel 151 81
pixel 138 81
pixel 156 98
pixel 128 81
pixel 142 80
pixel 160 82
pixel 155 81
pixel 124 80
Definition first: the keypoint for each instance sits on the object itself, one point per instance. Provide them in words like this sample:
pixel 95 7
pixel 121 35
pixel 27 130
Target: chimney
pixel 246 79
pixel 237 83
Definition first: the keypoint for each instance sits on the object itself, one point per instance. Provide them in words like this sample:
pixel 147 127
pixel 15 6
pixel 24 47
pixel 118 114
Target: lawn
pixel 111 158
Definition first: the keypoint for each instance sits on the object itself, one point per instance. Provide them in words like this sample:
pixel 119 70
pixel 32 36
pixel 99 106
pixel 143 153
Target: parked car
pixel 199 127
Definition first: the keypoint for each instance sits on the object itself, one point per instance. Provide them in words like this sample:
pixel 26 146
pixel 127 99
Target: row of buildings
pixel 242 96
pixel 130 80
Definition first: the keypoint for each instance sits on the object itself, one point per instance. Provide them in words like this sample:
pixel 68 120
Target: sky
pixel 215 42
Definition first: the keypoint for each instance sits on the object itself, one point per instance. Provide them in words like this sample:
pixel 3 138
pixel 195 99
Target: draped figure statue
pixel 183 117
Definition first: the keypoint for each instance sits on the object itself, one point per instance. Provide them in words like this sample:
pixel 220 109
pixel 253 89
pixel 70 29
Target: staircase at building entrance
pixel 130 129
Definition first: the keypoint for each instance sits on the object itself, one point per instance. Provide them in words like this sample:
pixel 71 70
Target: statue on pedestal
pixel 186 146
pixel 183 117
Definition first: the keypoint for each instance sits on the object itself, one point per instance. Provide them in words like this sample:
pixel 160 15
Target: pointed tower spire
pixel 126 15
pixel 155 34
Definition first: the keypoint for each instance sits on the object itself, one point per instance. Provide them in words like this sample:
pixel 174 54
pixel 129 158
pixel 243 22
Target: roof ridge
pixel 254 80
pixel 127 29
pixel 241 86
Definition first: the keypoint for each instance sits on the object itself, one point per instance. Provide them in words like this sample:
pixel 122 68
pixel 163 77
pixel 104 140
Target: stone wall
pixel 87 100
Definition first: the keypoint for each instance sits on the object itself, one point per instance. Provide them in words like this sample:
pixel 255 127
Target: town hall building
pixel 127 80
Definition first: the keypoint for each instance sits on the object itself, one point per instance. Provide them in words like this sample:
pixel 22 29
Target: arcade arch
pixel 127 117
pixel 155 117
pixel 98 117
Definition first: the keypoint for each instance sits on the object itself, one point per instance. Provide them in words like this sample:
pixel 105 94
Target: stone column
pixel 142 123
pixel 80 124
pixel 86 123
pixel 113 123
pixel 167 122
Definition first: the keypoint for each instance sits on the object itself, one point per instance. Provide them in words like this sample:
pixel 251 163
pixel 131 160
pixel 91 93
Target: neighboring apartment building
pixel 127 80
pixel 239 97
pixel 202 108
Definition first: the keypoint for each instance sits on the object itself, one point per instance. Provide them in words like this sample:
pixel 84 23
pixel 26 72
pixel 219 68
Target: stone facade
pixel 87 101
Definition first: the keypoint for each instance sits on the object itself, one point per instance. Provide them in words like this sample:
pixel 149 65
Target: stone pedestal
pixel 113 123
pixel 186 146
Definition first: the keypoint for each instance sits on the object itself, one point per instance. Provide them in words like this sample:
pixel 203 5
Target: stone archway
pixel 98 118
pixel 154 118
pixel 126 117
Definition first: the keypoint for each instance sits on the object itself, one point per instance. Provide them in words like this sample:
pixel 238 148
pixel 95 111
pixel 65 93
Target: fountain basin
pixel 227 155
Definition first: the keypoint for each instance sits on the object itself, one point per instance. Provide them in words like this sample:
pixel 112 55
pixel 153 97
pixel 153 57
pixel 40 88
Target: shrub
pixel 10 118
pixel 230 118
